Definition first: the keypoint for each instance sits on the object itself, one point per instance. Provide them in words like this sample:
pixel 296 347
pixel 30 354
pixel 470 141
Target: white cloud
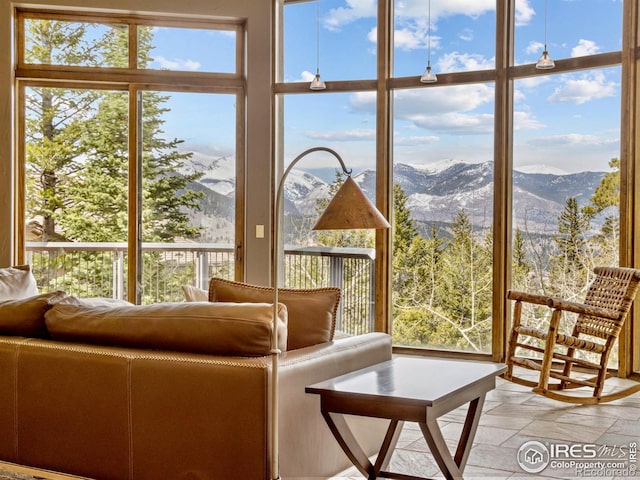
pixel 306 76
pixel 372 36
pixel 449 110
pixel 456 123
pixel 575 139
pixel 532 82
pixel 519 96
pixel 176 64
pixel 412 104
pixel 524 13
pixel 357 134
pixel 354 10
pixel 466 35
pixel 407 39
pixel 575 152
pixel 414 140
pixel 418 8
pixel 457 62
pixel 534 47
pixel 363 102
pixel 526 121
pixel 586 87
pixel 412 20
pixel 584 47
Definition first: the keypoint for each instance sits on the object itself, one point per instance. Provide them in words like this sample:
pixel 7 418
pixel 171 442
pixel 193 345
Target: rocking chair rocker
pixel 597 326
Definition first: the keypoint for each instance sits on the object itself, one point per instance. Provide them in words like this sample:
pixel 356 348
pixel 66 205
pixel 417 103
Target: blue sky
pixel 569 122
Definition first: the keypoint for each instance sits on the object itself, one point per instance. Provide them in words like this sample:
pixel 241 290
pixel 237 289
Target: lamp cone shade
pixel 350 209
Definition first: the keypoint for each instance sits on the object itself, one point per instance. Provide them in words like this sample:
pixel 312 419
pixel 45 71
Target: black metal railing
pixel 100 270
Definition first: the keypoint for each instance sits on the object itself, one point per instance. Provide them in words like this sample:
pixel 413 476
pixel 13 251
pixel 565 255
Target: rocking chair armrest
pixel 581 308
pixel 527 297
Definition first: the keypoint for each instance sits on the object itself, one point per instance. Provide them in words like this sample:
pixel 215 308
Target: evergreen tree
pixel 607 193
pixel 571 263
pixel 606 198
pixel 415 316
pixel 415 271
pixel 570 240
pixel 78 147
pixel 404 228
pixel 54 119
pixel 520 265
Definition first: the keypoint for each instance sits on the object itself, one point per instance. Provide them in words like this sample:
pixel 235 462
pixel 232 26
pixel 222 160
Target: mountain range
pixel 435 194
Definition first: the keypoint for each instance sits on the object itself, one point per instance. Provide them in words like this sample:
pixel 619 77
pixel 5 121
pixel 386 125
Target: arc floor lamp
pixel 349 209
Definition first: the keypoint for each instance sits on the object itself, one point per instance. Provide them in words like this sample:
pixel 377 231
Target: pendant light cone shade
pixel 350 209
pixel 545 62
pixel 428 76
pixel 317 83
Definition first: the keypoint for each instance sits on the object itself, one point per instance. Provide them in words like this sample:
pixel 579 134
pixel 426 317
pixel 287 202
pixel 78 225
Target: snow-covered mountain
pixel 437 192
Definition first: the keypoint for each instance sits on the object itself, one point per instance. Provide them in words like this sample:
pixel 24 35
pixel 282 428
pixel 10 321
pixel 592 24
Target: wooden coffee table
pixel 413 389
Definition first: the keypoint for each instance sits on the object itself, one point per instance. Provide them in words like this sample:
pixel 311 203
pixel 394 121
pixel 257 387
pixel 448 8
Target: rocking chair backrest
pixel 614 289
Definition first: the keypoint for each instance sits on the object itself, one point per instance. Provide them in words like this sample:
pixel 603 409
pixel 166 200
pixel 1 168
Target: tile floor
pixel 512 415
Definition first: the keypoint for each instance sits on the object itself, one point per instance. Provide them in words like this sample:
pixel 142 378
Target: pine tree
pixel 606 198
pixel 520 265
pixel 78 160
pixel 404 228
pixel 54 119
pixel 570 240
pixel 607 193
pixel 78 148
pixel 571 263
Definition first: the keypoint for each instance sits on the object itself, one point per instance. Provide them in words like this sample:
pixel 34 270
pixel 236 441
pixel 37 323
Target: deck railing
pixel 100 270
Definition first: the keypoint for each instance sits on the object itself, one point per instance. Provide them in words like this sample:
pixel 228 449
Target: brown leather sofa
pixel 110 408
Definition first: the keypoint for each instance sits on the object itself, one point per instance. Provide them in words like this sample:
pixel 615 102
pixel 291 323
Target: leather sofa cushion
pixel 311 313
pixel 17 282
pixel 25 316
pixel 197 327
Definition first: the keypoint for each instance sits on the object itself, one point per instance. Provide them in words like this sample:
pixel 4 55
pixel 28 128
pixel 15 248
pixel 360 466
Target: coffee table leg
pixel 388 446
pixel 452 467
pixel 469 432
pixel 343 434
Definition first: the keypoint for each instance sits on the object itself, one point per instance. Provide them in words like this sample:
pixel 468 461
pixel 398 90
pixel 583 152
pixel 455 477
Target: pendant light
pixel 545 62
pixel 428 76
pixel 317 83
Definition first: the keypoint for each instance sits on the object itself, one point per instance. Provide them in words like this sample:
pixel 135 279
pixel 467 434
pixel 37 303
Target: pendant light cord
pixel 318 37
pixel 545 25
pixel 429 36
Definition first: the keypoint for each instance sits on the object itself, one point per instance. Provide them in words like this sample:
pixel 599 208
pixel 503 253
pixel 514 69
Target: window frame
pixel 133 80
pixel 502 76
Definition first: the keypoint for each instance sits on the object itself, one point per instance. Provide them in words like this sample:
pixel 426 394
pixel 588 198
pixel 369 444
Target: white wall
pixel 258 15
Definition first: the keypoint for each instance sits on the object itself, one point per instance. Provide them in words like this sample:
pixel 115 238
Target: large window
pixel 339 40
pixel 129 182
pixel 497 176
pixel 443 206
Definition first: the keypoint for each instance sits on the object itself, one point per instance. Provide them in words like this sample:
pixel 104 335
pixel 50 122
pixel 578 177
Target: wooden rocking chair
pixel 597 326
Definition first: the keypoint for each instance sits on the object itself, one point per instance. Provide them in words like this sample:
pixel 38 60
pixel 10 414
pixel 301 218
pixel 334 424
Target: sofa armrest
pixel 307 447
